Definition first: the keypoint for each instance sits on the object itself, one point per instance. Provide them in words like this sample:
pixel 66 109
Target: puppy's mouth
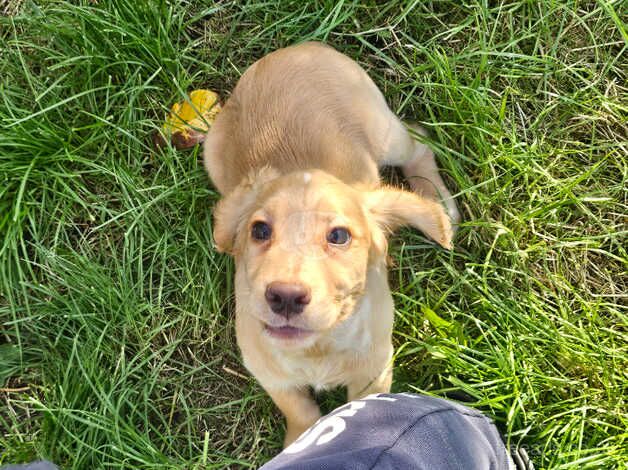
pixel 287 332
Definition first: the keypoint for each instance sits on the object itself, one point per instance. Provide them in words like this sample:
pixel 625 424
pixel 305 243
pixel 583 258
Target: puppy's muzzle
pixel 287 299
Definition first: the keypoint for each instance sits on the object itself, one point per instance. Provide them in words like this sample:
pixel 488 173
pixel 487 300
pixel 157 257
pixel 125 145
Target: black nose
pixel 286 298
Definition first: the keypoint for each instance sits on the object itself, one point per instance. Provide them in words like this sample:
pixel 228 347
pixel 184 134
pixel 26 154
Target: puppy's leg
pixel 418 164
pixel 299 408
pixel 379 382
pixel 367 386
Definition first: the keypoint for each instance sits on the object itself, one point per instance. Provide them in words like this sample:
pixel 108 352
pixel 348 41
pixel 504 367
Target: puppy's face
pixel 302 256
pixel 303 243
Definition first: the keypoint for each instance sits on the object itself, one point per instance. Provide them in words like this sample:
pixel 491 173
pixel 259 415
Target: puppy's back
pixel 305 106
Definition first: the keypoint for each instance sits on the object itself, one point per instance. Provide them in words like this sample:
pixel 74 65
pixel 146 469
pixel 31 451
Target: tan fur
pixel 298 146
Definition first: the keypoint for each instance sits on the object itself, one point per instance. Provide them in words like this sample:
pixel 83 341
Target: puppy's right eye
pixel 261 231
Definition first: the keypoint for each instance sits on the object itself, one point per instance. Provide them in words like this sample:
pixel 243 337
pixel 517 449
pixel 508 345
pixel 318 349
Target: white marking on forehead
pixel 307 177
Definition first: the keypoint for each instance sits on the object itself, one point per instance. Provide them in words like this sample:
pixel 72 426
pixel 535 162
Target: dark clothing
pixel 397 431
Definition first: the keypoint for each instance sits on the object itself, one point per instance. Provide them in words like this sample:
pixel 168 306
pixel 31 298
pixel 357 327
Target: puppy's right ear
pixel 229 215
pixel 231 212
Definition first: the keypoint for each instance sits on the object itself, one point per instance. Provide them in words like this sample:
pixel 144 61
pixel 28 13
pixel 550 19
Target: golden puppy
pixel 295 154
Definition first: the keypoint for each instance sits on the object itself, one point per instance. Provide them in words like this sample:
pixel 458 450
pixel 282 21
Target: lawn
pixel 117 342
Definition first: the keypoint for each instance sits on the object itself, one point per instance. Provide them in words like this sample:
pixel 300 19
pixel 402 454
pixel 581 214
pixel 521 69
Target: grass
pixel 116 314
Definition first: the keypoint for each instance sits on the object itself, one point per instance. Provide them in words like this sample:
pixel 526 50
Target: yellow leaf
pixel 195 114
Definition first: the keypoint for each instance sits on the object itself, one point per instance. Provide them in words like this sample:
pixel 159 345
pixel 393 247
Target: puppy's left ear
pixel 392 208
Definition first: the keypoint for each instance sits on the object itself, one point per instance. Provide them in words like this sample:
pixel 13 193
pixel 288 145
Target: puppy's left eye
pixel 339 236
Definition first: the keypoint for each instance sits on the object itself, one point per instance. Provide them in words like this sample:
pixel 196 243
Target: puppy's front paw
pixel 294 430
pixel 292 434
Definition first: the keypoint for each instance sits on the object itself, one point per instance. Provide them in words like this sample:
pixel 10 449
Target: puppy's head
pixel 303 243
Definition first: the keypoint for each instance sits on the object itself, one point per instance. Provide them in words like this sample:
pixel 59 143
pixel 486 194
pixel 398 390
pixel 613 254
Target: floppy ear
pixel 231 211
pixel 391 208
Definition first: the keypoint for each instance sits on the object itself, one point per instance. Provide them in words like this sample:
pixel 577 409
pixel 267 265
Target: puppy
pixel 295 154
